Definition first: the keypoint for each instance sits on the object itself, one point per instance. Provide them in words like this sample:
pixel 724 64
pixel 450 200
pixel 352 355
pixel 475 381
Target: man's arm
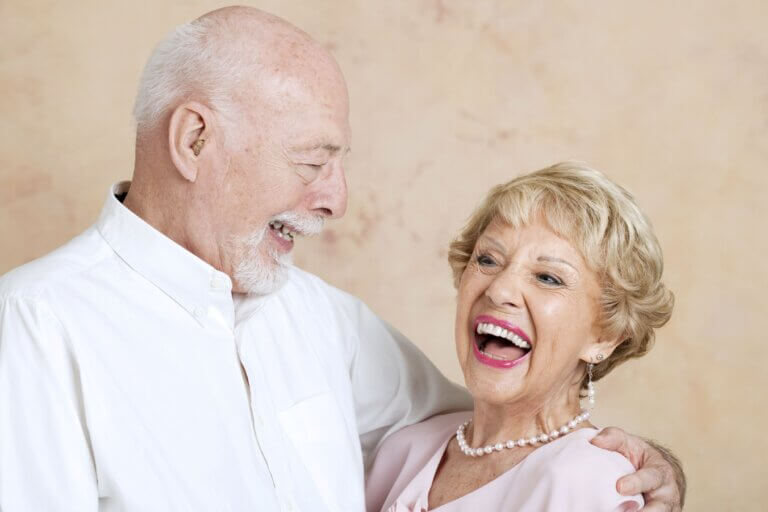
pixel 45 458
pixel 394 384
pixel 659 475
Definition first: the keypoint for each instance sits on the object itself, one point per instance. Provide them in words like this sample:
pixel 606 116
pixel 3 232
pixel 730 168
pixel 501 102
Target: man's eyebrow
pixel 551 259
pixel 331 148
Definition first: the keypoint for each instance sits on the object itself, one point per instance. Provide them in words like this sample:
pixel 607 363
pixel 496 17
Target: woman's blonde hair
pixel 600 219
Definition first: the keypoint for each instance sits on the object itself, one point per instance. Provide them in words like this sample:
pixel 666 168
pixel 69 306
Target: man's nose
pixel 329 197
pixel 506 289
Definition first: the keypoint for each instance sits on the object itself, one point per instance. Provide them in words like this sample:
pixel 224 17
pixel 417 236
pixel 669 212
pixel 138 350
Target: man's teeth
pixel 500 332
pixel 282 230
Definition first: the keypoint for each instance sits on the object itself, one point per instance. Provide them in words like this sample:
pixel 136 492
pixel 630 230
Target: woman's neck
pixel 493 423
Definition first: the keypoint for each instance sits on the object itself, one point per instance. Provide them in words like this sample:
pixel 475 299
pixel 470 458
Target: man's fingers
pixel 610 438
pixel 659 476
pixel 617 440
pixel 643 481
pixel 672 491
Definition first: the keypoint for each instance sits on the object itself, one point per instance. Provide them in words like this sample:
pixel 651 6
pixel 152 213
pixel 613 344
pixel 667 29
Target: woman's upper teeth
pixel 500 332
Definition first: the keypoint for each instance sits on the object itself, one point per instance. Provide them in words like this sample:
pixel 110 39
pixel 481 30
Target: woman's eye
pixel 485 260
pixel 548 279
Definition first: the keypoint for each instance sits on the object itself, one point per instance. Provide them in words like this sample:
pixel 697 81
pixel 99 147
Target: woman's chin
pixel 495 385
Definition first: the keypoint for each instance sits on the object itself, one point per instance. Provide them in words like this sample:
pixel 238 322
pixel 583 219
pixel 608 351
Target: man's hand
pixel 659 475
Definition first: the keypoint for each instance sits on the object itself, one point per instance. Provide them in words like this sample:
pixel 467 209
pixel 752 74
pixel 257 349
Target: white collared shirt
pixel 132 381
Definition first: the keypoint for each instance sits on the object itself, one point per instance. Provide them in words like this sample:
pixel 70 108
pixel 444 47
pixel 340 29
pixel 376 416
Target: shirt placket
pixel 267 431
pixel 220 315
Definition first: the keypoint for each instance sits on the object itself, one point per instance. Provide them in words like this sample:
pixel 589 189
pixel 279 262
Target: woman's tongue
pixel 506 350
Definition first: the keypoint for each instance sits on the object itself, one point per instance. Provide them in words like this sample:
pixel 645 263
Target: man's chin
pixel 262 269
pixel 254 279
pixel 267 288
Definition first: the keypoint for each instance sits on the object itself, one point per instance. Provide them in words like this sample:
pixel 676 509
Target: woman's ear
pixel 189 130
pixel 601 349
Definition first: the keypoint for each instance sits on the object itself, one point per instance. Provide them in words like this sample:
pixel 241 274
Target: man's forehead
pixel 317 129
pixel 309 115
pixel 300 106
pixel 298 79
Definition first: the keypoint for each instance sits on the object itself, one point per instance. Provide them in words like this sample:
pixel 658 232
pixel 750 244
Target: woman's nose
pixel 505 290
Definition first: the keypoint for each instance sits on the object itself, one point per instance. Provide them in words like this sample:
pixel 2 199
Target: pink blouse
pixel 568 474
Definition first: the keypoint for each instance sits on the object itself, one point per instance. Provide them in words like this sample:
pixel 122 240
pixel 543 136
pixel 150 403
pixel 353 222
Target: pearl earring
pixel 590 384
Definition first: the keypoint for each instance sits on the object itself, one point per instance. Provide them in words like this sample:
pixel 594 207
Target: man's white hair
pixel 191 61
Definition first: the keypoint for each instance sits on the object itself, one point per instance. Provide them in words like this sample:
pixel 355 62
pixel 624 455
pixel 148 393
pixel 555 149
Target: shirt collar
pixel 181 275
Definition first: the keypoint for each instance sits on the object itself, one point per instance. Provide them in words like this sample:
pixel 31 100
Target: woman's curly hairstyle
pixel 600 219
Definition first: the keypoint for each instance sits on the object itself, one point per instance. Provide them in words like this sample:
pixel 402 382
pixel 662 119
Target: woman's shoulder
pixel 576 450
pixel 576 471
pixel 403 454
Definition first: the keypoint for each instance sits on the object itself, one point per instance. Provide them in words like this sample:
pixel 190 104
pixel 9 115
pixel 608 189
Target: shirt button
pixel 219 281
pixel 198 312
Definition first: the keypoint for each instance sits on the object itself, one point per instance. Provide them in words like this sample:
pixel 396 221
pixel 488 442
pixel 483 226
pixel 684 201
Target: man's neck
pixel 171 215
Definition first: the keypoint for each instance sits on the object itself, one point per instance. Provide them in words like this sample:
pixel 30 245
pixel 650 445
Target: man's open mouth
pixel 282 230
pixel 499 343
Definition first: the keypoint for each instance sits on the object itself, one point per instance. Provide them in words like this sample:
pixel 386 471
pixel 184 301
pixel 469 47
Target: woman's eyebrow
pixel 552 259
pixel 549 259
pixel 490 240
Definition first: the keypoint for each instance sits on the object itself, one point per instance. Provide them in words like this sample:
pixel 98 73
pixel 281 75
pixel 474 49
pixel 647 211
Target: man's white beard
pixel 261 274
pixel 255 276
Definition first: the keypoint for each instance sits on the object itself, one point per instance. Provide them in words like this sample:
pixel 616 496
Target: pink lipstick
pixel 489 360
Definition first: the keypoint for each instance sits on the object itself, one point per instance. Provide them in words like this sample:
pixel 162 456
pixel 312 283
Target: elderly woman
pixel 559 282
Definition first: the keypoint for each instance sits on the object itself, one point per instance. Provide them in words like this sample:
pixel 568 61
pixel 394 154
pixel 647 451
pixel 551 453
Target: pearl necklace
pixel 532 441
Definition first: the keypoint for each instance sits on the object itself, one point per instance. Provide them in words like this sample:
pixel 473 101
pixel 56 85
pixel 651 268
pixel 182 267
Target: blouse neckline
pixel 427 473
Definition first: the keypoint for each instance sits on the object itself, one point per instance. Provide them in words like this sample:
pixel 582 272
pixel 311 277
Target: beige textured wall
pixel 449 98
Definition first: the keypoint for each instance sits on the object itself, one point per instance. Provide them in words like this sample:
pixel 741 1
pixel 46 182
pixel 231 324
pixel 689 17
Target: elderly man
pixel 170 358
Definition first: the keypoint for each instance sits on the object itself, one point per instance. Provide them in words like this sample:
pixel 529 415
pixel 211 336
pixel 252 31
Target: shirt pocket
pixel 329 451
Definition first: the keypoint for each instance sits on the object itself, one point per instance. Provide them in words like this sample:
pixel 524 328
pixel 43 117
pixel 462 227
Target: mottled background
pixel 449 98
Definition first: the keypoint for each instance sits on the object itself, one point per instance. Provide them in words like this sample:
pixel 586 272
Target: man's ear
pixel 189 131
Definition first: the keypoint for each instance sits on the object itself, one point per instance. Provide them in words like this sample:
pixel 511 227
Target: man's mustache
pixel 304 225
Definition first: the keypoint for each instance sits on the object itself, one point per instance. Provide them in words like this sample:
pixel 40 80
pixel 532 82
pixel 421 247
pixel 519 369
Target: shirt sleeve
pixel 394 384
pixel 45 457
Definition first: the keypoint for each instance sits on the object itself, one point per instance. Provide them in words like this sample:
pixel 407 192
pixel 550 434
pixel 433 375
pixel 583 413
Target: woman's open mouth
pixel 499 344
